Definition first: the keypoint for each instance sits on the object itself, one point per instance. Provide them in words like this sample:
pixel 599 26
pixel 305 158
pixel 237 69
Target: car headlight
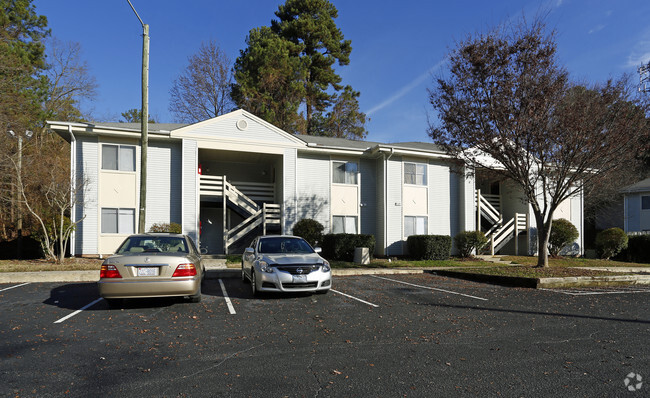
pixel 265 267
pixel 325 266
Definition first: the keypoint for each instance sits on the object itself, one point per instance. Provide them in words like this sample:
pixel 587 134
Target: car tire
pixel 196 298
pixel 256 292
pixel 243 275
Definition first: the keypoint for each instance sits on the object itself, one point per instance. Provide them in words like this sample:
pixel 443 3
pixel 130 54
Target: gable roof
pixel 641 186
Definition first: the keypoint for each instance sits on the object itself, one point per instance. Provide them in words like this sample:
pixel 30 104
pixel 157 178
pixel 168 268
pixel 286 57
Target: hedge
pixel 638 249
pixel 340 247
pixel 469 242
pixel 610 242
pixel 310 230
pixel 429 247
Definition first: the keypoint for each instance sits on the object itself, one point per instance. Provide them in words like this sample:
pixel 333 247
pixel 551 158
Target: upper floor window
pixel 415 173
pixel 645 202
pixel 344 173
pixel 118 157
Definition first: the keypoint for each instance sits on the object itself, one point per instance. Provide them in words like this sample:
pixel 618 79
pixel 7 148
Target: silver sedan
pixel 285 264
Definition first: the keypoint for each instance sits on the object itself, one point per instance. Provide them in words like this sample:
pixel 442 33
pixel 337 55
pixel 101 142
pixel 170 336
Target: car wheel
pixel 243 275
pixel 196 298
pixel 254 284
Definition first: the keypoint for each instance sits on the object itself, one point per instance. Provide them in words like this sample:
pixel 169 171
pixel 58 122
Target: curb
pixel 223 273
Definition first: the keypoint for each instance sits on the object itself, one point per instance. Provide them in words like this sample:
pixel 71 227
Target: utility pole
pixel 644 78
pixel 144 122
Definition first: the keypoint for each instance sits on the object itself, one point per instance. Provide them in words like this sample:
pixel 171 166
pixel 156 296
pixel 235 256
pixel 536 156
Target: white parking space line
pixel 595 292
pixel 78 311
pixel 13 287
pixel 354 298
pixel 430 288
pixel 225 296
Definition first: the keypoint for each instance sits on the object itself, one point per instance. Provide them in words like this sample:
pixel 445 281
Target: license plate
pixel 147 271
pixel 299 278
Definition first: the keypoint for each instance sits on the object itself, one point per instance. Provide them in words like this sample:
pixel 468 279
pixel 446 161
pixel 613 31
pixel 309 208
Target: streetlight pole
pixel 144 122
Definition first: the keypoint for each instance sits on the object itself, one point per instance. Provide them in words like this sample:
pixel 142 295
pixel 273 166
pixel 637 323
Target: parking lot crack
pixel 311 363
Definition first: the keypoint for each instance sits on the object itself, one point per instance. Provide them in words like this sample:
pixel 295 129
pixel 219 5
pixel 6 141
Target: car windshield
pixel 285 246
pixel 153 244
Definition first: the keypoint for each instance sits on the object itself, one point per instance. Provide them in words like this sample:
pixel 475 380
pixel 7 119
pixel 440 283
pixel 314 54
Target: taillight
pixel 109 271
pixel 185 270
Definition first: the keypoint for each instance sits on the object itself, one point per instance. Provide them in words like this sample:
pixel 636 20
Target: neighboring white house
pixel 233 176
pixel 637 206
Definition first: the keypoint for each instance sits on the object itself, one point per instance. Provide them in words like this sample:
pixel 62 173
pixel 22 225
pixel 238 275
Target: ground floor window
pixel 344 225
pixel 118 221
pixel 415 225
pixel 645 202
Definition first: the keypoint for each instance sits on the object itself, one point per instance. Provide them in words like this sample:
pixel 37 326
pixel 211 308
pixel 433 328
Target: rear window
pixel 285 246
pixel 153 244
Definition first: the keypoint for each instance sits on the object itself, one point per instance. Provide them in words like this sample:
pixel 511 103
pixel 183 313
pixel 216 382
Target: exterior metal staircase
pixel 499 233
pixel 256 215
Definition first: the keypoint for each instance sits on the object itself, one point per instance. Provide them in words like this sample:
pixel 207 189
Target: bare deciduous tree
pixel 69 81
pixel 50 195
pixel 202 91
pixel 506 97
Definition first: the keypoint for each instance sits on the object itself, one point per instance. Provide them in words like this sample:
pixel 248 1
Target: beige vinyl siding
pixel 576 219
pixel 163 183
pixel 313 179
pixel 439 199
pixel 289 201
pixel 226 128
pixel 190 189
pixel 395 228
pixel 87 231
pixel 380 246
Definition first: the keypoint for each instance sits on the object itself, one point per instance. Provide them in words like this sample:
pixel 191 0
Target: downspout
pixel 386 159
pixel 73 187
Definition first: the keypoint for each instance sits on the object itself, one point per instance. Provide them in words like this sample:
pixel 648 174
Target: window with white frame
pixel 118 221
pixel 645 202
pixel 344 172
pixel 344 225
pixel 415 225
pixel 118 157
pixel 415 173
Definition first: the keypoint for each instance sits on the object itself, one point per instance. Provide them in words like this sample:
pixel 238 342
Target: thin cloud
pixel 640 53
pixel 404 90
pixel 597 28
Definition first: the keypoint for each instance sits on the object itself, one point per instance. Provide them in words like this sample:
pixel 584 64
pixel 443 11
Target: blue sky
pixel 396 46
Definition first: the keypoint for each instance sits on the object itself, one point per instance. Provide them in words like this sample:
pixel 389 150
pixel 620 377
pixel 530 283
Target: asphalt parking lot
pixel 384 336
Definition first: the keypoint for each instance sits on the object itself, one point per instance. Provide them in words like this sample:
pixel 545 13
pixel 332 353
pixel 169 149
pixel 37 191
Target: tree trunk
pixel 543 234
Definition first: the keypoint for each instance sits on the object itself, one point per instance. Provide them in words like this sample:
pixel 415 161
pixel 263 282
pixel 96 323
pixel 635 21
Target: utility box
pixel 361 255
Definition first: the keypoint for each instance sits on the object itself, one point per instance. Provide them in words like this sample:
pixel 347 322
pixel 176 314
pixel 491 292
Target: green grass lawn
pixel 70 264
pixel 571 262
pixel 528 271
pixel 385 263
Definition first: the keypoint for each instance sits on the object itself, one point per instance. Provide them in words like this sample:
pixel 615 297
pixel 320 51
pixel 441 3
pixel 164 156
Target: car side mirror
pixel 204 250
pixel 318 249
pixel 249 250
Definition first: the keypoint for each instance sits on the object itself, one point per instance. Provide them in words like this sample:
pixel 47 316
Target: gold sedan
pixel 152 265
